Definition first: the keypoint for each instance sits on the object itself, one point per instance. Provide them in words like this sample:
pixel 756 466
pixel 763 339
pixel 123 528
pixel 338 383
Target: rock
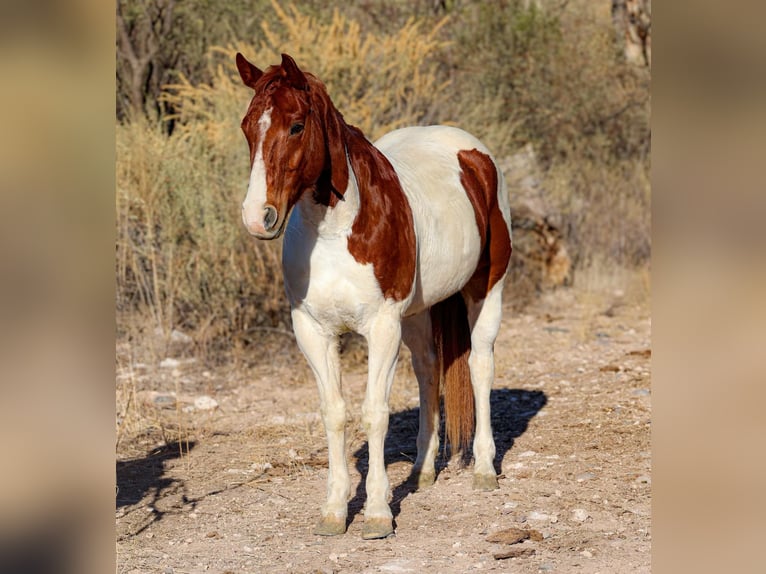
pixel 157 399
pixel 508 536
pixel 514 553
pixel 514 535
pixel 169 363
pixel 580 515
pixel 205 403
pixel 400 565
pixel 537 515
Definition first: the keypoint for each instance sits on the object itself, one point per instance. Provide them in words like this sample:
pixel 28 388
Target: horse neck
pixel 330 222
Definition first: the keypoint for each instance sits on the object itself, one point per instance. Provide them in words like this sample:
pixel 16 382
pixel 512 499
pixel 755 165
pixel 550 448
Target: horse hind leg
pixel 417 334
pixel 484 319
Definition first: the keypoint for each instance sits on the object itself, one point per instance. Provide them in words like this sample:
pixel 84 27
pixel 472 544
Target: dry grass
pixel 510 74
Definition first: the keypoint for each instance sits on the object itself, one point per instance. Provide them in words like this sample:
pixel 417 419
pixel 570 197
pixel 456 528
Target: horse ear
pixel 249 73
pixel 294 75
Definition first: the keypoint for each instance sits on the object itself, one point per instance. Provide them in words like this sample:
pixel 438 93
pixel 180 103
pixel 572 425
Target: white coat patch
pixel 253 206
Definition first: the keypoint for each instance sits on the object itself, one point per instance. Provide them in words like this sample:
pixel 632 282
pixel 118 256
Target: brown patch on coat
pixel 383 232
pixel 479 178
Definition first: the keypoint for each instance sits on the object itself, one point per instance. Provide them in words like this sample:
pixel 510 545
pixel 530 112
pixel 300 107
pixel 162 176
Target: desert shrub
pixel 527 73
pixel 378 81
pixel 183 257
pixel 513 72
pixel 551 75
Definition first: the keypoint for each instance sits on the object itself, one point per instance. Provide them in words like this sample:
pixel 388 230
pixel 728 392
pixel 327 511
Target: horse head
pixel 297 144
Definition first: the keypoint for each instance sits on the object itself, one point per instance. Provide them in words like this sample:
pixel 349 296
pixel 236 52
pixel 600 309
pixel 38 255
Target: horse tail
pixel 453 344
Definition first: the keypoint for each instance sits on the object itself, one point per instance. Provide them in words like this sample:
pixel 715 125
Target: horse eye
pixel 296 129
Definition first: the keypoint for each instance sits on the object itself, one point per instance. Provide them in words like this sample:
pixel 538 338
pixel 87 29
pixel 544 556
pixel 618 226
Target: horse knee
pixel 334 417
pixel 374 417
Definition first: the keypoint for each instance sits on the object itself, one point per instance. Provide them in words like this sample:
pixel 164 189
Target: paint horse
pixel 407 239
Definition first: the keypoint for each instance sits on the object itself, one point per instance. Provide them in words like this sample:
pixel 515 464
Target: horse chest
pixel 323 279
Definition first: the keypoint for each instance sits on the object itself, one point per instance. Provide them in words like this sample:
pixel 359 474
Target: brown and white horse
pixel 407 239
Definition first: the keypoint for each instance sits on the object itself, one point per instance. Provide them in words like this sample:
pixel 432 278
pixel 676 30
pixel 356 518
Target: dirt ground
pixel 237 488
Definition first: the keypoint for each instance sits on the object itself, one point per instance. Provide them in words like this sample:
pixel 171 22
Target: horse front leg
pixel 383 341
pixel 321 351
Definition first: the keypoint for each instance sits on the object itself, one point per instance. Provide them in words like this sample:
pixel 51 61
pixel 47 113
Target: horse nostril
pixel 269 217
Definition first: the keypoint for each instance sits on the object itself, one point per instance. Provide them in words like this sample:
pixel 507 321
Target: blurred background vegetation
pixel 543 80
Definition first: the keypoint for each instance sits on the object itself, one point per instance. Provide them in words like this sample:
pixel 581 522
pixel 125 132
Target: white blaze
pixel 255 200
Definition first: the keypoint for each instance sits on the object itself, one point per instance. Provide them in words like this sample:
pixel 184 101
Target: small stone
pixel 205 403
pixel 157 399
pixel 169 363
pixel 527 453
pixel 247 549
pixel 507 536
pixel 580 515
pixel 585 476
pixel 537 515
pixel 508 507
pixel 587 554
pixel 514 553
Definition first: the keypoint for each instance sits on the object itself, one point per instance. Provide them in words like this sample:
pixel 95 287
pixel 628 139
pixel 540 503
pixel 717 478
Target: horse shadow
pixel 511 411
pixel 139 477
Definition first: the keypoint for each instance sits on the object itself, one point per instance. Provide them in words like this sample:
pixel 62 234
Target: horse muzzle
pixel 266 224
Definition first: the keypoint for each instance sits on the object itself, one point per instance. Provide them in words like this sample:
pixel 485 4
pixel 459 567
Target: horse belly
pixel 446 260
pixel 449 244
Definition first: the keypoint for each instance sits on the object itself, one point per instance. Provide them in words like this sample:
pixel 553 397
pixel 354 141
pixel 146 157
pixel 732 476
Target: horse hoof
pixel 330 526
pixel 485 482
pixel 426 479
pixel 377 528
pixel 421 480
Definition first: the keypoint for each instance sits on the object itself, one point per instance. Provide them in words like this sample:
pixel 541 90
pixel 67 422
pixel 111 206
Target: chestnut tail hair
pixel 452 338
